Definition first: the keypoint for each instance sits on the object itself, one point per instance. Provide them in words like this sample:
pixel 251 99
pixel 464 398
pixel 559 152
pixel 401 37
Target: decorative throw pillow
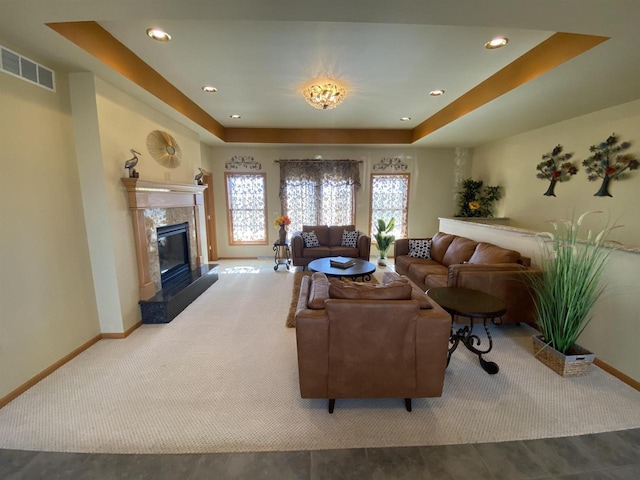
pixel 349 238
pixel 310 239
pixel 420 248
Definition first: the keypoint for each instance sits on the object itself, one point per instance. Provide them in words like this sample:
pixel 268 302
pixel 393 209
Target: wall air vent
pixel 21 67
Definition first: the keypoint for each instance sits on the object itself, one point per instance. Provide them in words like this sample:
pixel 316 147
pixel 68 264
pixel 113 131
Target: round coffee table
pixel 362 269
pixel 469 303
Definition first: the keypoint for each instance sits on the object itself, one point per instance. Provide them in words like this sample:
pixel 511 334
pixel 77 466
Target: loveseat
pixel 455 261
pixel 332 242
pixel 369 341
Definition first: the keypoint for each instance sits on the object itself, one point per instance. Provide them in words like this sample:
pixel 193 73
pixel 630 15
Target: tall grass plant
pixel 571 280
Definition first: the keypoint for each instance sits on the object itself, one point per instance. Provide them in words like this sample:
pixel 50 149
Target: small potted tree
pixel 384 239
pixel 566 291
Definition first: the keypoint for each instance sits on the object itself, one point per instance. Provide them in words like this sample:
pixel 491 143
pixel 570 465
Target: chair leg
pixel 332 404
pixel 407 404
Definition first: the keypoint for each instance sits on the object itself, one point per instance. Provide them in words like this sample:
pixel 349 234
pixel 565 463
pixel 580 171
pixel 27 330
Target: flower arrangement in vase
pixel 476 200
pixel 555 167
pixel 281 223
pixel 607 161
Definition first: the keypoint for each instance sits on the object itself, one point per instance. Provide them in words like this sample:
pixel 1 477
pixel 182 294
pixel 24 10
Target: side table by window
pixel 282 254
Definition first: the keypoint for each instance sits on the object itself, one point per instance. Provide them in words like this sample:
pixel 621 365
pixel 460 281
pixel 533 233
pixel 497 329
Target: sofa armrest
pixel 401 247
pixel 507 281
pixel 312 339
pixel 458 271
pixel 296 245
pixel 364 246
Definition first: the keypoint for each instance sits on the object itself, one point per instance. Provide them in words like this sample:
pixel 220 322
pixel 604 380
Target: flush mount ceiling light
pixel 497 42
pixel 324 95
pixel 405 119
pixel 209 89
pixel 158 34
pixel 436 93
pixel 235 117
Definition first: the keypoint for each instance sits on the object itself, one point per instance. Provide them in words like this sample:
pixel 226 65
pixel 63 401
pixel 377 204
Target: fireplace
pixel 173 251
pixel 171 272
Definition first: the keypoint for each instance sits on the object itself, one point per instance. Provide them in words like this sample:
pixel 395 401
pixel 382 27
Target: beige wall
pixel 512 163
pixel 430 190
pixel 124 123
pixel 47 305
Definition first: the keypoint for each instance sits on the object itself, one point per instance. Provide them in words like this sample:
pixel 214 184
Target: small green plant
pixel 570 283
pixel 476 200
pixel 383 239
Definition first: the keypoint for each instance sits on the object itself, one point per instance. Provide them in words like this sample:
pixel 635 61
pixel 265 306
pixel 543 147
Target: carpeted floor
pixel 222 377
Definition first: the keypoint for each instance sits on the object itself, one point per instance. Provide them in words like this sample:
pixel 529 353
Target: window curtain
pixel 319 192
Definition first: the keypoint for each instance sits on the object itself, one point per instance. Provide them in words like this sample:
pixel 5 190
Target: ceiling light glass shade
pixel 436 93
pixel 209 89
pixel 324 96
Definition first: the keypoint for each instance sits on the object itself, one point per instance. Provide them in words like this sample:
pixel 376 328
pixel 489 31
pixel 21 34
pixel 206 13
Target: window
pixel 331 203
pixel 390 199
pixel 246 208
pixel 318 192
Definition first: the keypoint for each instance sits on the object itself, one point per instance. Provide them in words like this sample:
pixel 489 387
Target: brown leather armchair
pixel 368 348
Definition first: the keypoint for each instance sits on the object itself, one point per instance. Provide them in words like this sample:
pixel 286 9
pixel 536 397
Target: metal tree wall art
pixel 555 167
pixel 607 161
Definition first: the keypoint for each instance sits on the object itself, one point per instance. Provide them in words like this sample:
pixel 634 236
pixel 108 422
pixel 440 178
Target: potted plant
pixel 476 199
pixel 566 291
pixel 384 239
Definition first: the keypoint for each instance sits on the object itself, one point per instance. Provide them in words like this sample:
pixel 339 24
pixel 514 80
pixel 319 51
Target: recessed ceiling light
pixel 405 119
pixel 235 117
pixel 497 42
pixel 158 34
pixel 209 89
pixel 436 93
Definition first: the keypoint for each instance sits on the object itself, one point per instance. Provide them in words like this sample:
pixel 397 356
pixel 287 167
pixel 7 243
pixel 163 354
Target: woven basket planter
pixel 574 364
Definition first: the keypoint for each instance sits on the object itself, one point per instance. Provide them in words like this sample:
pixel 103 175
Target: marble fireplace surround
pixel 154 203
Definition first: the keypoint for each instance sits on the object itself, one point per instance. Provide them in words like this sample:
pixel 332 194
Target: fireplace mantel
pixel 156 194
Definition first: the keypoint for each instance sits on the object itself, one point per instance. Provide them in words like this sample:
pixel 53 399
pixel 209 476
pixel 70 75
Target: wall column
pixel 86 131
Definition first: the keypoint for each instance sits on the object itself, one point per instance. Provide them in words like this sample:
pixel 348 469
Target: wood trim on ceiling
pixel 554 51
pixel 317 136
pixel 95 40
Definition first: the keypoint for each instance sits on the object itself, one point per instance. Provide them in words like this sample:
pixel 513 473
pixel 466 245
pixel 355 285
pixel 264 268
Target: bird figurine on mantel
pixel 131 164
pixel 198 177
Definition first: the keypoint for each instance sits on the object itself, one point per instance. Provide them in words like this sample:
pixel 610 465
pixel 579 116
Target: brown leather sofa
pixel 371 345
pixel 461 262
pixel 330 238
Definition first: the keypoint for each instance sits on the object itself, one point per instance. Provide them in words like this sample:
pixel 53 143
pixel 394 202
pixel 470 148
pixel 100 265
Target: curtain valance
pixel 319 172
